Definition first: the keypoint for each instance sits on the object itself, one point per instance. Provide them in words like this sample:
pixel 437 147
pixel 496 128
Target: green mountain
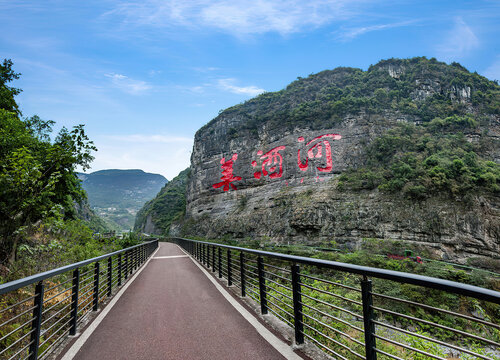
pixel 406 153
pixel 117 195
pixel 158 214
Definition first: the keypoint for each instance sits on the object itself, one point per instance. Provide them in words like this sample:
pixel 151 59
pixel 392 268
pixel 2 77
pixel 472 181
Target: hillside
pixel 157 215
pixel 117 195
pixel 404 153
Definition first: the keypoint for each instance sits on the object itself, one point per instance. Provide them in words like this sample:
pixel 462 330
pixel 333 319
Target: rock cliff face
pixel 269 168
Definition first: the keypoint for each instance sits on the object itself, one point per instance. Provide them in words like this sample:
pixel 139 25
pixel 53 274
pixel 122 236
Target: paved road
pixel 172 311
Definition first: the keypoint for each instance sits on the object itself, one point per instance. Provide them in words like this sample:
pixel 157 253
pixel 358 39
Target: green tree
pixel 7 93
pixel 37 175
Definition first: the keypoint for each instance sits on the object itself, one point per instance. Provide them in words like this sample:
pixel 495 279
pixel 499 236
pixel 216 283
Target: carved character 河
pixel 315 149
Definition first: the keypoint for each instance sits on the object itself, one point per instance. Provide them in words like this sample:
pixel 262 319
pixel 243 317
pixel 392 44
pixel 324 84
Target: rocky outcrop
pixel 268 169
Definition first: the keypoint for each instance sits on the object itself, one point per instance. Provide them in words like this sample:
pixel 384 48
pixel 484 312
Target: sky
pixel 144 76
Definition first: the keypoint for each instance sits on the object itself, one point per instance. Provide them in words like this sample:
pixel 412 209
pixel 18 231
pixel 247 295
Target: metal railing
pixel 358 312
pixel 38 312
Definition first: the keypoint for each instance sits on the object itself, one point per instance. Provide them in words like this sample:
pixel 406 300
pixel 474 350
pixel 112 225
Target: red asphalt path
pixel 172 311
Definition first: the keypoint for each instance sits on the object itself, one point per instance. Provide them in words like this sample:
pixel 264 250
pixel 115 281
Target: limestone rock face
pixel 265 170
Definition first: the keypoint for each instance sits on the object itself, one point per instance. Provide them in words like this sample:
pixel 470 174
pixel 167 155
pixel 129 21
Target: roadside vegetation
pixel 45 221
pixel 332 303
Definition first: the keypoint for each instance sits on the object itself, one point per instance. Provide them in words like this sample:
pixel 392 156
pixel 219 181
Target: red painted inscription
pixel 315 149
pixel 272 164
pixel 227 174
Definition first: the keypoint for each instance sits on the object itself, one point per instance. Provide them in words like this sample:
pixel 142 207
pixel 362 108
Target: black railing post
pixel 368 317
pixel 297 305
pixel 208 255
pixel 262 285
pixel 120 269
pixel 36 324
pixel 229 271
pixel 74 301
pixel 213 258
pixel 126 265
pixel 242 274
pixel 130 262
pixel 219 266
pixel 110 275
pixel 203 254
pixel 97 269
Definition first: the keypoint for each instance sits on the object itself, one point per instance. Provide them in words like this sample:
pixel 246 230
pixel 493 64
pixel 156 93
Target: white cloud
pixel 228 85
pixel 351 33
pixel 128 85
pixel 154 72
pixel 161 154
pixel 238 17
pixel 493 71
pixel 459 42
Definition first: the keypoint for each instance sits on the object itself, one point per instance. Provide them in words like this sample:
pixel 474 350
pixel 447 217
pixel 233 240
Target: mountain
pixel 405 154
pixel 157 215
pixel 117 195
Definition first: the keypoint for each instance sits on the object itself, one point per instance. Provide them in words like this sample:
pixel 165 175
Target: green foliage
pixel 322 100
pixel 7 93
pixel 116 195
pixel 169 205
pixel 330 304
pixel 37 176
pixel 421 160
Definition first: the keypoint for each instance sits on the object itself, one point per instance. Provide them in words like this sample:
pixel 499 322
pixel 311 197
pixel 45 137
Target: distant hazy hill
pixel 117 195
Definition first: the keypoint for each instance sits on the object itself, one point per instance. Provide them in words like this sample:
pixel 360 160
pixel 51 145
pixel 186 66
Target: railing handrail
pixel 399 276
pixel 17 284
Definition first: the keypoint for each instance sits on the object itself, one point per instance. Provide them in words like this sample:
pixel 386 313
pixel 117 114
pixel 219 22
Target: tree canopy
pixel 37 174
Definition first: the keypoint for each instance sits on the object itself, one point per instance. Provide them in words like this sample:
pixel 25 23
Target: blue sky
pixel 143 76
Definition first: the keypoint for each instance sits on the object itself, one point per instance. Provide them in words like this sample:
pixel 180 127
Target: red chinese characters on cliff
pixel 272 164
pixel 227 174
pixel 318 148
pixel 316 152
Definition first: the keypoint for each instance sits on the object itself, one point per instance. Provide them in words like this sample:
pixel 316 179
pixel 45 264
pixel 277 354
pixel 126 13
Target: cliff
pixel 406 151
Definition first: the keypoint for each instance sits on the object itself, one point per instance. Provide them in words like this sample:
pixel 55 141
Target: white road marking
pixel 283 348
pixel 170 257
pixel 70 354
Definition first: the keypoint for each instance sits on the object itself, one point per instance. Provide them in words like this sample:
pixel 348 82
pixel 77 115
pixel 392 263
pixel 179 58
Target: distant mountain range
pixel 117 195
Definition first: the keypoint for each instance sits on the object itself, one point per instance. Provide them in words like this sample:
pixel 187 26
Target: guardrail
pixel 38 312
pixel 358 312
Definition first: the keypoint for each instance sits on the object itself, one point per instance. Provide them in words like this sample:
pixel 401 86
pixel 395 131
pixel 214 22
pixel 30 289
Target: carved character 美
pixel 227 174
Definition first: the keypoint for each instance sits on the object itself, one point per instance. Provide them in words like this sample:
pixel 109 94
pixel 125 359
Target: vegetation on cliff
pixel 422 88
pixel 418 162
pixel 424 160
pixel 167 206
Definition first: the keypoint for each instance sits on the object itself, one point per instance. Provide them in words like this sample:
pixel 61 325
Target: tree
pixel 37 176
pixel 7 93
